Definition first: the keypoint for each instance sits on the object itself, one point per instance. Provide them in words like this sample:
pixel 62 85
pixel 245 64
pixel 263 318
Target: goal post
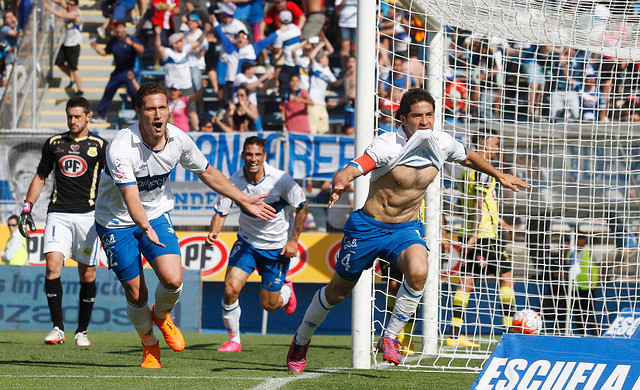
pixel 557 83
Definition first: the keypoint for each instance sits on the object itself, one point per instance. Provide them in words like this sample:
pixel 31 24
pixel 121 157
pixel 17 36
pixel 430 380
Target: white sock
pixel 285 293
pixel 140 317
pixel 407 301
pixel 231 319
pixel 165 300
pixel 313 317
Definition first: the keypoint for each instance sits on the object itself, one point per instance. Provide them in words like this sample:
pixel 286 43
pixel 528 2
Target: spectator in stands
pixel 302 59
pixel 24 13
pixel 314 10
pixel 294 107
pixel 15 251
pixel 117 13
pixel 125 50
pixel 569 74
pixel 241 116
pixel 481 236
pixel 592 104
pixel 178 106
pixel 67 59
pixel 283 47
pixel 177 72
pixel 398 79
pixel 385 121
pixel 238 52
pixel 190 7
pixel 230 26
pixel 162 14
pixel 349 83
pixel 272 22
pixel 526 55
pixel 455 96
pixel 196 56
pixel 10 34
pixel 621 226
pixel 206 124
pixel 248 78
pixel 348 19
pixel 585 275
pixel 320 79
pixel 107 11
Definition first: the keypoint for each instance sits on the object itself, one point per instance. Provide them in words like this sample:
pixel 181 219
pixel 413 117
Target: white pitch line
pixel 276 383
pixel 131 377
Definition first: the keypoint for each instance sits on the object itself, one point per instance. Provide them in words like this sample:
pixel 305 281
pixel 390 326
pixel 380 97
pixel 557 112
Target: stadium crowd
pixel 184 42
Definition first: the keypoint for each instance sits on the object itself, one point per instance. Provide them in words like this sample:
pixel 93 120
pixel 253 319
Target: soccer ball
pixel 527 321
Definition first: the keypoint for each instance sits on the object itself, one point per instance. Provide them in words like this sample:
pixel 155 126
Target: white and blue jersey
pixel 234 56
pixel 131 162
pixel 286 41
pixel 176 68
pixel 319 79
pixel 283 195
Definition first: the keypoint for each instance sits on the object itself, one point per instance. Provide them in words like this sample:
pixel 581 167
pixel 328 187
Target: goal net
pixel 547 90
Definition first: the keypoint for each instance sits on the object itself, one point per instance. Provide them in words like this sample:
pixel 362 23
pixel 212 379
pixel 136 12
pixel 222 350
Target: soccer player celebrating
pixel 132 214
pixel 402 165
pixel 265 245
pixel 76 157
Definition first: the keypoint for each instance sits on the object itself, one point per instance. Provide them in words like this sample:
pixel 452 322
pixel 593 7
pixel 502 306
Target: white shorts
pixel 73 234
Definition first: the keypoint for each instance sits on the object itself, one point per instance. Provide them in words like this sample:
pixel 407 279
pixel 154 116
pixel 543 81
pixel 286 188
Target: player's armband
pixel 364 163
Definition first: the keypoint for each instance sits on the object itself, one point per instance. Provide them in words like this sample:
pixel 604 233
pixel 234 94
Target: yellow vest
pixel 587 269
pixel 21 257
pixel 470 187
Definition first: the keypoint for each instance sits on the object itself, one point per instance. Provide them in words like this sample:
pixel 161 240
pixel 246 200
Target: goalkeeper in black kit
pixel 76 157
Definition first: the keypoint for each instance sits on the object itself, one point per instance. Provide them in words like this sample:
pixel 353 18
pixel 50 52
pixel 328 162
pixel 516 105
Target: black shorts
pixel 68 55
pixel 487 257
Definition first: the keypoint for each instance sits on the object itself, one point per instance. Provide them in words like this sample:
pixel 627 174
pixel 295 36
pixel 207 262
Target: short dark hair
pixel 79 101
pixel 12 216
pixel 246 65
pixel 483 133
pixel 254 140
pixel 412 97
pixel 294 75
pixel 146 89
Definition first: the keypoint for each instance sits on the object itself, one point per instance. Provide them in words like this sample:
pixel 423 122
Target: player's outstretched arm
pixel 138 214
pixel 477 162
pixel 342 182
pixel 215 180
pixel 217 221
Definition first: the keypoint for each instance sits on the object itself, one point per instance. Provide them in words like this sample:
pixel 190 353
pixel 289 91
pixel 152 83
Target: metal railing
pixel 32 69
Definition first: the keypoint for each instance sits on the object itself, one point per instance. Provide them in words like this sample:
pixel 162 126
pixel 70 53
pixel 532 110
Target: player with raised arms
pixel 402 165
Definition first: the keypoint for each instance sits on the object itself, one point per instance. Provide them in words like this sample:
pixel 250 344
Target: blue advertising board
pixel 24 305
pixel 548 362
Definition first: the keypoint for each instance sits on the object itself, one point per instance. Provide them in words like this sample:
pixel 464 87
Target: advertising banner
pixel 314 264
pixel 24 303
pixel 309 157
pixel 547 362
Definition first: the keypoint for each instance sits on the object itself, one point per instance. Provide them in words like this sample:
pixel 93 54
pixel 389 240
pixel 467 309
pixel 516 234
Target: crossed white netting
pixel 558 83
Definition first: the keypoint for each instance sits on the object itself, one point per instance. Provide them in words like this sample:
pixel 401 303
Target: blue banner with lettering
pixel 547 362
pixel 24 304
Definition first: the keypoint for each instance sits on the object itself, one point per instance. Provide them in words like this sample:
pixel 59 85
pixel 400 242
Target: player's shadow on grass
pixel 59 364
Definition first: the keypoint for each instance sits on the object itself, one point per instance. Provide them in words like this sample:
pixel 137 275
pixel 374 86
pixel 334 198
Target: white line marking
pixel 276 383
pixel 131 377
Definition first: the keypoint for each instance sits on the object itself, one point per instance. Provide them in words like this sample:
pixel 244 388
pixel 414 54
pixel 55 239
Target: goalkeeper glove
pixel 26 224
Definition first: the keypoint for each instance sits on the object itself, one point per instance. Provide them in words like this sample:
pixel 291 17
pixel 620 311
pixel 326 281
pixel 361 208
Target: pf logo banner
pixel 299 262
pixel 197 255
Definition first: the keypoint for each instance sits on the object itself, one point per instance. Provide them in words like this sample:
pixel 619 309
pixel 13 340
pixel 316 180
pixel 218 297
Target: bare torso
pixel 396 197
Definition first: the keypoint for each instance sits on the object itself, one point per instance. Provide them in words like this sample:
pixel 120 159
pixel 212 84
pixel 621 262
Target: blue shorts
pixel 123 246
pixel 366 239
pixel 270 264
pixel 347 34
pixel 122 9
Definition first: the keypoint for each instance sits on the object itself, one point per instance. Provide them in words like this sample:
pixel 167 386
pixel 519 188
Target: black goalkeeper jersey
pixel 77 164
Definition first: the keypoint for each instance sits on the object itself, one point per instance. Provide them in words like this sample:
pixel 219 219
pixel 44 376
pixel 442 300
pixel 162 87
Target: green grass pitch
pixel 112 362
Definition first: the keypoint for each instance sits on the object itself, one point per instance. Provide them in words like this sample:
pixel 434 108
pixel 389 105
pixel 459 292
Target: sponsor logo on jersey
pixel 72 166
pixel 92 151
pixel 197 255
pixel 150 183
